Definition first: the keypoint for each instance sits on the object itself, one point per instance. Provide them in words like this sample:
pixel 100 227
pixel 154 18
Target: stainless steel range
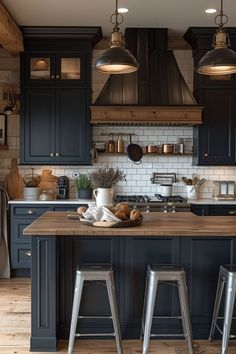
pixel 157 203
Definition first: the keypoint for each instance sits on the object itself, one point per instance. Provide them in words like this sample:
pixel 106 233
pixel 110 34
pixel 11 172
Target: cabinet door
pixel 38 126
pixel 37 69
pixel 72 126
pixel 216 138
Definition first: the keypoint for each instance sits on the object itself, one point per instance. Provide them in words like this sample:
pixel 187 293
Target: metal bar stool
pixel 172 275
pixel 227 275
pixel 95 272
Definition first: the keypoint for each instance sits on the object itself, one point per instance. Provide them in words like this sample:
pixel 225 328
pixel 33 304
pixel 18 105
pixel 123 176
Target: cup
pixel 192 192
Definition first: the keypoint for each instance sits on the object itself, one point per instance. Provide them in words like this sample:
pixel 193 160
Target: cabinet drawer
pixel 67 207
pixel 29 211
pixel 17 228
pixel 222 210
pixel 21 256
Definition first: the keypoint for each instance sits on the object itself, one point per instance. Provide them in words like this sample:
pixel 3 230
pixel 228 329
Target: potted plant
pixel 103 180
pixel 84 186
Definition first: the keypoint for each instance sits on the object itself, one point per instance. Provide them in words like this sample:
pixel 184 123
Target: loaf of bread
pixel 135 214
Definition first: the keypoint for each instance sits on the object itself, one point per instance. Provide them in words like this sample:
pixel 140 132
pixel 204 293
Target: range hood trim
pixel 145 115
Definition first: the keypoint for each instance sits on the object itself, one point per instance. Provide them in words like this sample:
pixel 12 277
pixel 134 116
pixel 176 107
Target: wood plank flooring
pixel 15 330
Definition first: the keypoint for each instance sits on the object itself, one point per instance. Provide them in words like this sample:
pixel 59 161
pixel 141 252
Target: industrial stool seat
pixel 95 272
pixel 227 275
pixel 173 275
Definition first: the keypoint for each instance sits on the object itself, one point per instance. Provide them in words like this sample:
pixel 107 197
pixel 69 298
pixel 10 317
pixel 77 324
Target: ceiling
pixel 177 15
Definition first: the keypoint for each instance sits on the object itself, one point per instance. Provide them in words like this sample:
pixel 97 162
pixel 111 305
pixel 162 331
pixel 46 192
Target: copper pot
pixel 167 148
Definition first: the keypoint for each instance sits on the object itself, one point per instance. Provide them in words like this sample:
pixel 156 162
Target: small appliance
pixel 63 187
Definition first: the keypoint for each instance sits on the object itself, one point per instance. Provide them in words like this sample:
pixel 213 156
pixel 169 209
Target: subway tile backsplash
pixel 138 176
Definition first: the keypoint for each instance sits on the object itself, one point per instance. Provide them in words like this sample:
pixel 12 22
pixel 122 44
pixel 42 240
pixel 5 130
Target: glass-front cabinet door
pixel 59 69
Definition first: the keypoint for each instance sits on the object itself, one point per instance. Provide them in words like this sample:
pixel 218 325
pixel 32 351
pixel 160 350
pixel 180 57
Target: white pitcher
pixel 103 196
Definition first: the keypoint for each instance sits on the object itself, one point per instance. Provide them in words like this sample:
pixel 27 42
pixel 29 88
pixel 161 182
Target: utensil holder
pixel 192 192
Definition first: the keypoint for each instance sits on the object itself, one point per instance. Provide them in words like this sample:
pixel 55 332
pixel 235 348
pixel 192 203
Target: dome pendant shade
pixel 221 60
pixel 218 61
pixel 116 60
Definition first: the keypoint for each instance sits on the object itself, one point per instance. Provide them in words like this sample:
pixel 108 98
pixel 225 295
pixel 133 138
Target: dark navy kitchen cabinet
pixel 55 127
pixel 214 141
pixel 22 215
pixel 56 95
pixel 213 210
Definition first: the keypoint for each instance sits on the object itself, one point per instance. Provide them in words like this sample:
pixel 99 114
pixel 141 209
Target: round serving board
pixel 126 223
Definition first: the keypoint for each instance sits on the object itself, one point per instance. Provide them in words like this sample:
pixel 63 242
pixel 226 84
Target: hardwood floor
pixel 15 330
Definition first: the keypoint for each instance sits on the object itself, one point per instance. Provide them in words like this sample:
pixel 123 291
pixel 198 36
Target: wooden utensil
pixel 14 181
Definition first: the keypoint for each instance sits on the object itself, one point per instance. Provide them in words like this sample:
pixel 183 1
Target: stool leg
pixel 75 311
pixel 151 296
pixel 144 308
pixel 114 311
pixel 219 292
pixel 228 312
pixel 186 320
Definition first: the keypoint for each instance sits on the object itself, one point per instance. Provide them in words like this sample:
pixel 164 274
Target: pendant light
pixel 116 59
pixel 221 60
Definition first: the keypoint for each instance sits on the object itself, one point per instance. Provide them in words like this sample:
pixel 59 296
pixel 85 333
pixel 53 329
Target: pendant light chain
pixel 219 18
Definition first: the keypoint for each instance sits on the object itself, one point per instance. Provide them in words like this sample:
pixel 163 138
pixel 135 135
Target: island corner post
pixel 200 244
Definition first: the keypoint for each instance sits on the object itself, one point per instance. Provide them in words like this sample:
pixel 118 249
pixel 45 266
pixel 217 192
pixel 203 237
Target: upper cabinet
pixel 56 95
pixel 60 69
pixel 215 140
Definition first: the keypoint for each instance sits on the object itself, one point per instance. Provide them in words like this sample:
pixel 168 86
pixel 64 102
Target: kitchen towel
pixel 4 253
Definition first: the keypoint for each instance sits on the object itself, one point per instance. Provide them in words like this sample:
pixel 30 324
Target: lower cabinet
pixel 213 210
pixel 130 256
pixel 20 246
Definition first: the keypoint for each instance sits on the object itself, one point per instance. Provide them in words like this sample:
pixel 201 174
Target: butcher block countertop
pixel 154 224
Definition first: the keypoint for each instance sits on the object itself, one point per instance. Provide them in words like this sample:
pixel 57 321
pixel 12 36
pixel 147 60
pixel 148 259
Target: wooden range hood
pixel 155 95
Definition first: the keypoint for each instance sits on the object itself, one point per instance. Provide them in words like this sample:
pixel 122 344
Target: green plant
pixel 83 182
pixel 106 177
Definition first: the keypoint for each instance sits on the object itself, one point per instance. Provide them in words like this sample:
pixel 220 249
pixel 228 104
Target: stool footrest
pixel 94 334
pixel 167 335
pixel 221 332
pixel 110 317
pixel 163 317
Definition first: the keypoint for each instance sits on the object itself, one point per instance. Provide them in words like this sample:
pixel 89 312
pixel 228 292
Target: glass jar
pixel 111 144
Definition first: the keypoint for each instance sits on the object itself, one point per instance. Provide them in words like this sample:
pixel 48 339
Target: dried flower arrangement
pixel 106 177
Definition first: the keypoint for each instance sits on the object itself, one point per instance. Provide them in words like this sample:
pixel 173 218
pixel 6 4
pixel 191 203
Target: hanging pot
pixel 135 152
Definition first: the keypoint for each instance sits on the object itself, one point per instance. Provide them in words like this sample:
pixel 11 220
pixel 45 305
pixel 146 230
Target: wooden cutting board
pixel 14 181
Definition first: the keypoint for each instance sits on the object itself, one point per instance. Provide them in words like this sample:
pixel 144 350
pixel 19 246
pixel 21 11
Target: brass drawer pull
pixel 30 212
pixel 28 253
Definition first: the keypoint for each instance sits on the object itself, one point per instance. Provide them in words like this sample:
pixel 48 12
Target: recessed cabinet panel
pixel 72 132
pixel 37 127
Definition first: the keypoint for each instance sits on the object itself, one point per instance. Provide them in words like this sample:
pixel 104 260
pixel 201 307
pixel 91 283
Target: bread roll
pixel 123 207
pixel 121 215
pixel 135 214
pixel 81 210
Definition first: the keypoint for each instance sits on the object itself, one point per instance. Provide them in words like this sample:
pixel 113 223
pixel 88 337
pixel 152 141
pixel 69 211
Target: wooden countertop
pixel 154 224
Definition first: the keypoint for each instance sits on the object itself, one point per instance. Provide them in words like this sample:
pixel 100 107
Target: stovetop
pixel 147 199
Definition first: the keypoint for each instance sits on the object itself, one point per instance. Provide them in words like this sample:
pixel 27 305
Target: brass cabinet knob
pixel 205 154
pixel 28 253
pixel 51 154
pixel 30 212
pixel 57 154
pixel 57 76
pixel 52 76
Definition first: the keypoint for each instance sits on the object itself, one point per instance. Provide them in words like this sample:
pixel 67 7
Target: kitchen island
pixel 200 244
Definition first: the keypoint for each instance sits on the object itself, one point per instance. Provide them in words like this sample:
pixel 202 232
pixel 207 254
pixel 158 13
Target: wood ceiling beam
pixel 11 37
